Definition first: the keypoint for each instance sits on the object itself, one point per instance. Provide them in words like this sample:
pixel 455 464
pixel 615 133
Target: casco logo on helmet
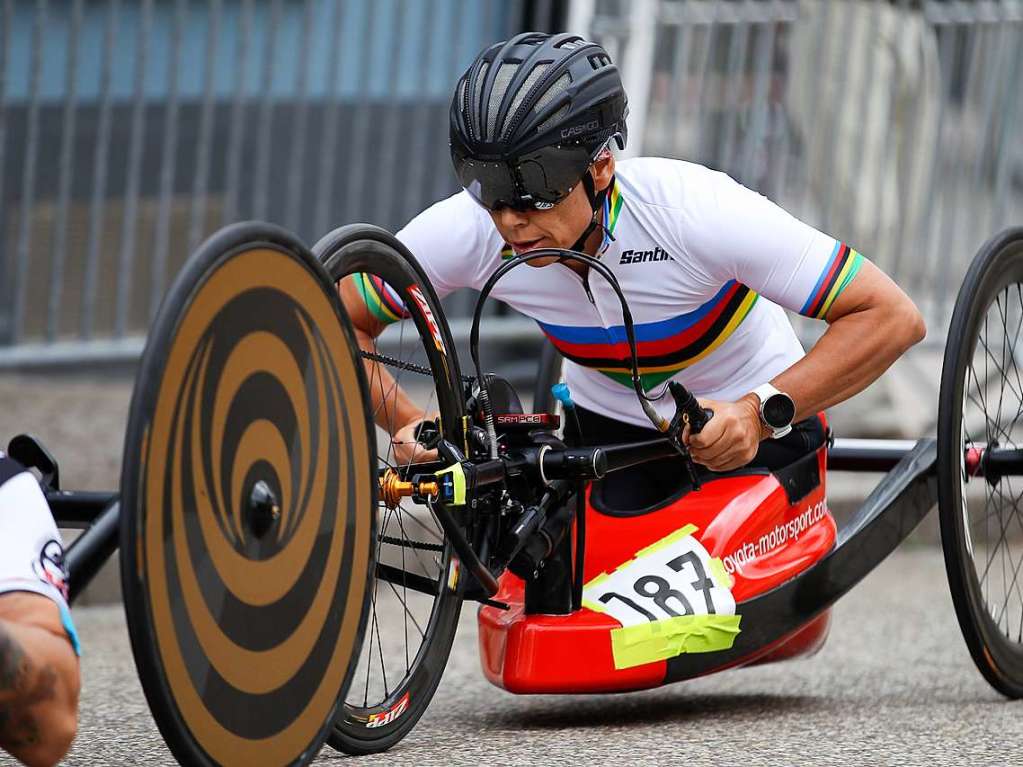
pixel 576 130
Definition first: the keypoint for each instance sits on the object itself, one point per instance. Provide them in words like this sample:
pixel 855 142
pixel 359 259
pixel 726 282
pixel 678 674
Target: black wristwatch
pixel 776 410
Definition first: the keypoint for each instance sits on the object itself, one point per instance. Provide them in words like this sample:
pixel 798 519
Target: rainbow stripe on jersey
pixel 381 299
pixel 842 266
pixel 612 209
pixel 664 347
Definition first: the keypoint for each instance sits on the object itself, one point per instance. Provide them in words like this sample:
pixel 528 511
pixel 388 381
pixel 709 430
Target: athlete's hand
pixel 730 439
pixel 405 449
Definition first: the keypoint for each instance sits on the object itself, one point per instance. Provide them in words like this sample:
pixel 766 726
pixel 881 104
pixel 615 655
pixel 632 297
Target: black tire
pixel 548 373
pixel 367 724
pixel 988 313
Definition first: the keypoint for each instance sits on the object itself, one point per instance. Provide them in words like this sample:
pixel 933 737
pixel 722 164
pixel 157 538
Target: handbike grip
pixel 575 464
pixel 694 415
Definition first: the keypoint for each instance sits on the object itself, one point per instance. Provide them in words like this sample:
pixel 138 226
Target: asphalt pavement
pixel 893 685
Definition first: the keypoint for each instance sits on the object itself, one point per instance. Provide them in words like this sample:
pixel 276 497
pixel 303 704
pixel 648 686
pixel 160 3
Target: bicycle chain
pixel 410 544
pixel 410 366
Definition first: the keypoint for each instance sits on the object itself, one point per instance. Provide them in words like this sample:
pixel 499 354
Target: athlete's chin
pixel 545 261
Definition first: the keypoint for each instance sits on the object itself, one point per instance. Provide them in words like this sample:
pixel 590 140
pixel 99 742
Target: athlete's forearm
pixel 854 351
pixel 392 407
pixel 38 702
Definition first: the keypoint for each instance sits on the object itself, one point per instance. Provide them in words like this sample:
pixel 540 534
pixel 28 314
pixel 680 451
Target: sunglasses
pixel 535 181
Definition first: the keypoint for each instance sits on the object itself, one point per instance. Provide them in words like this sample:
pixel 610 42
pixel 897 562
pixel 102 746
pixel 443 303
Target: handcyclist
pixel 707 267
pixel 39 675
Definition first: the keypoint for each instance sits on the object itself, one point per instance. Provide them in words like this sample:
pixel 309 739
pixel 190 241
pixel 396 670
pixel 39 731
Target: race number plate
pixel 671 598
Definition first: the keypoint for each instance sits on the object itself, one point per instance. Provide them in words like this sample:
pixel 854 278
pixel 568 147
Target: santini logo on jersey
pixel 639 256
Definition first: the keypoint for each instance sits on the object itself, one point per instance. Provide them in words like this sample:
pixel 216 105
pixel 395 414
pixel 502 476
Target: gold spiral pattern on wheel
pixel 255 627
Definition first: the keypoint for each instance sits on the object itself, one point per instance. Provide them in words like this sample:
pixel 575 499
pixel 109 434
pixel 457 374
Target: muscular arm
pixel 870 325
pixel 39 680
pixel 393 410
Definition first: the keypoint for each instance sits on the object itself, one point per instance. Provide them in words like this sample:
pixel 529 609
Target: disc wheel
pixel 246 544
pixel 415 599
pixel 980 408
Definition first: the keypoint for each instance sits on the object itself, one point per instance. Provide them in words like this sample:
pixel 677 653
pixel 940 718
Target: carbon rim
pixel 992 417
pixel 408 633
pixel 980 410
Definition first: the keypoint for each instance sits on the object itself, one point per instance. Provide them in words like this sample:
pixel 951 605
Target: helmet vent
pixel 559 87
pixel 599 62
pixel 553 120
pixel 476 91
pixel 505 73
pixel 535 75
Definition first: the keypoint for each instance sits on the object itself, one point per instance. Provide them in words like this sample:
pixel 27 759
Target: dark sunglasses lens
pixel 489 183
pixel 549 174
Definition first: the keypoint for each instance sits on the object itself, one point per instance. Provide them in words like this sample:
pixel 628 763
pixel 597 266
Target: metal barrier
pixel 131 130
pixel 894 125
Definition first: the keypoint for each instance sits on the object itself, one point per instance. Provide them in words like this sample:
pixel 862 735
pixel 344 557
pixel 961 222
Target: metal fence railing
pixel 896 125
pixel 131 129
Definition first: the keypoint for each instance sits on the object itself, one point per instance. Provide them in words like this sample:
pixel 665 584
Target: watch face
pixel 779 411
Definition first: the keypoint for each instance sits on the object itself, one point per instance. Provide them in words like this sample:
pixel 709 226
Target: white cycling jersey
pixel 31 552
pixel 705 264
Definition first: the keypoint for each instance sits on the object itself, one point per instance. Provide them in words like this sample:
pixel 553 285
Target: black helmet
pixel 530 115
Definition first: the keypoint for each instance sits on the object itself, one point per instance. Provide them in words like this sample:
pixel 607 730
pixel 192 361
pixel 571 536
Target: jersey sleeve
pixel 741 235
pixel 31 550
pixel 446 241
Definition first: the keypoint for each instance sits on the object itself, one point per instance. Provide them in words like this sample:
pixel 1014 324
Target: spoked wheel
pixel 980 482
pixel 415 600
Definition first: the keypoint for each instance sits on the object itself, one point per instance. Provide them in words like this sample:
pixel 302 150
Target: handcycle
pixel 287 582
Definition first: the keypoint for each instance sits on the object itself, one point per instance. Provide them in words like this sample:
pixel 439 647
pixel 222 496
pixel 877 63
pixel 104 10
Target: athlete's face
pixel 557 227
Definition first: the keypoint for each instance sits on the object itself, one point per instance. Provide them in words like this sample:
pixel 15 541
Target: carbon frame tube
pixel 78 509
pixel 464 550
pixel 90 550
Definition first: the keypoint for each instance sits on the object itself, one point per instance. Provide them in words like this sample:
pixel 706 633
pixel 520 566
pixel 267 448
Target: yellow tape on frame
pixel 649 642
pixel 719 573
pixel 458 482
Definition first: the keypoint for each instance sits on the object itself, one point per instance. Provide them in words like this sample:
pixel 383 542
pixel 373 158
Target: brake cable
pixel 600 268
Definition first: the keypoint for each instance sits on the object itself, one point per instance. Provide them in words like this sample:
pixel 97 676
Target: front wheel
pixel 980 410
pixel 415 600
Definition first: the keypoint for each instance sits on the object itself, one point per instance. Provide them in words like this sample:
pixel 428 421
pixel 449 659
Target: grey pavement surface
pixel 894 685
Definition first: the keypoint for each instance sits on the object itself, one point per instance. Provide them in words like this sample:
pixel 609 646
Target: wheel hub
pixel 263 510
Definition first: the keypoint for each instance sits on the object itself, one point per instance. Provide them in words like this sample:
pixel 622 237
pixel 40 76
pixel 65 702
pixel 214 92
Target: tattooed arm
pixel 39 680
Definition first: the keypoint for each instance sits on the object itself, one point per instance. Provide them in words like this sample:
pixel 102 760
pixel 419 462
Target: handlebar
pixel 573 464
